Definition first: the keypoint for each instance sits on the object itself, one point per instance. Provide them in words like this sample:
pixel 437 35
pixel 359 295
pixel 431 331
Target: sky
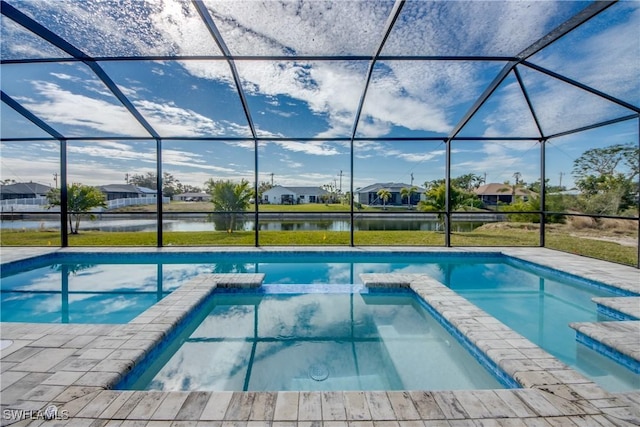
pixel 300 98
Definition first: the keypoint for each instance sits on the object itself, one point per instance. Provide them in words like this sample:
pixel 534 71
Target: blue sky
pixel 305 99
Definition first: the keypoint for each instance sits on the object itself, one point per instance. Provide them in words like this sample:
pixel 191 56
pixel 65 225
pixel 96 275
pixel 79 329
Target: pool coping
pixel 74 366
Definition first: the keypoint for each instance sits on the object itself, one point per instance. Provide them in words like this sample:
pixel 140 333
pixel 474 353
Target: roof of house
pixel 312 191
pixel 391 186
pixel 497 189
pixel 194 195
pixel 147 190
pixel 119 188
pixel 25 188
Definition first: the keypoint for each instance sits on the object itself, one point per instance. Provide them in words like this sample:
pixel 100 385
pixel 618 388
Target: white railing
pixel 134 201
pixel 40 204
pixel 33 201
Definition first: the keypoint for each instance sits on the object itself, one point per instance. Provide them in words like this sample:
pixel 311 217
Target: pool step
pixel 620 308
pixel 618 340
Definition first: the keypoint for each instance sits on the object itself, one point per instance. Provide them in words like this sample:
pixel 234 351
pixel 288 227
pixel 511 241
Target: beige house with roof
pixel 494 193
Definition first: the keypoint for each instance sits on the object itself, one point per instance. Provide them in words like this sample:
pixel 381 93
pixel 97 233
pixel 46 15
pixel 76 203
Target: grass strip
pixel 608 251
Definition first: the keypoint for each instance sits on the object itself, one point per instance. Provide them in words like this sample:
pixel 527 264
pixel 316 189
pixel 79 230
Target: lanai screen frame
pixel 513 65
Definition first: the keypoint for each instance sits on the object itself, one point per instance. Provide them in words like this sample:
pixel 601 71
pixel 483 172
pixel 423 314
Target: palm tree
pixel 436 200
pixel 229 198
pixel 80 200
pixel 408 192
pixel 384 194
pixel 513 188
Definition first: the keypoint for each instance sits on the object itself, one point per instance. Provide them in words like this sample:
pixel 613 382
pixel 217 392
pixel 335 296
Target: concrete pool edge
pixel 548 396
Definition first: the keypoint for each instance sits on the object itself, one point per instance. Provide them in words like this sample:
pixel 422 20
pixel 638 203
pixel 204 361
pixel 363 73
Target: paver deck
pixel 629 307
pixel 75 366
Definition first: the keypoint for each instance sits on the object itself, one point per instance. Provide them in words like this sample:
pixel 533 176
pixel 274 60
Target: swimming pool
pixel 310 338
pixel 536 302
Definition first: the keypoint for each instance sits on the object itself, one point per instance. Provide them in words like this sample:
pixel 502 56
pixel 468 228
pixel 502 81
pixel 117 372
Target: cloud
pixel 597 51
pixel 591 55
pixel 470 28
pixel 63 76
pixel 64 107
pixel 311 147
pixel 60 106
pixel 500 160
pixel 169 120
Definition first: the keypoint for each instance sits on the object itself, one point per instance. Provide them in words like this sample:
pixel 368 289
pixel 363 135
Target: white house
pixel 280 195
pixel 369 195
pixel 192 197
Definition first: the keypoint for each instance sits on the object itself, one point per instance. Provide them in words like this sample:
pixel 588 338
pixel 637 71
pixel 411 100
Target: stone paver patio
pixel 75 366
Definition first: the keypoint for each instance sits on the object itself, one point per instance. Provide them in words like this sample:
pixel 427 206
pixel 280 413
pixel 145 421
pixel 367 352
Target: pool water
pixel 536 302
pixel 268 340
pixel 540 307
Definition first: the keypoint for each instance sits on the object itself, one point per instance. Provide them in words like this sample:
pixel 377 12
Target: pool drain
pixel 318 372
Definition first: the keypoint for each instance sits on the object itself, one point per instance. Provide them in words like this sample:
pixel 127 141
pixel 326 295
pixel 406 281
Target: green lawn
pixel 511 237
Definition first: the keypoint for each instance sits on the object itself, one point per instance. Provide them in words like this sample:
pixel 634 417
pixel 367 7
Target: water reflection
pixel 209 224
pixel 315 341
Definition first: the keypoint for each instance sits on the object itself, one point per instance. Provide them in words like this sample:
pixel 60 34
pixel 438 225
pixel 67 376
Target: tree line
pixel 607 179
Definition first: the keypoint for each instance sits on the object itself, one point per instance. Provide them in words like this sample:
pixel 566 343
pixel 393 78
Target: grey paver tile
pixel 94 408
pixel 263 406
pixel 541 406
pixel 402 405
pixel 73 392
pixel 52 340
pixel 125 407
pixel 494 404
pixel 77 364
pixel 147 405
pixel 361 424
pixel 133 423
pixel 385 423
pixel 119 401
pixel 449 405
pixel 113 365
pixel 44 393
pixel 535 422
pixel 514 403
pixel 471 404
pixel 74 406
pixel 426 405
pixel 286 406
pixel 169 406
pixel 9 378
pixel 62 378
pixel 80 341
pixel 356 406
pixel 193 406
pixel 239 407
pixel 95 353
pixel 100 379
pixel 380 406
pixel 217 406
pixel 462 423
pixel 17 351
pixel 157 423
pixel 18 389
pixel 333 406
pixel 309 406
pixel 5 366
pixel 44 360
